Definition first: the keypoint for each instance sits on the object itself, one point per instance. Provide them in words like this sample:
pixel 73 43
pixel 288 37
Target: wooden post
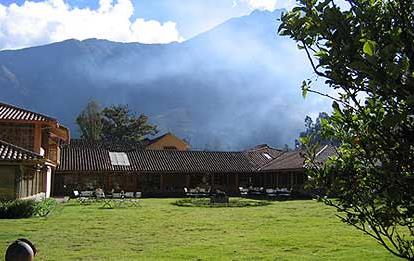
pixel 109 176
pixel 237 180
pixel 162 183
pixel 261 180
pixel 136 182
pixel 272 179
pixel 277 179
pixel 187 181
pixel 295 179
pixel 37 138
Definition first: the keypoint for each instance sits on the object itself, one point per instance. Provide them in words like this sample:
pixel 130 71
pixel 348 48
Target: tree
pixel 114 124
pixel 119 124
pixel 314 131
pixel 366 53
pixel 89 122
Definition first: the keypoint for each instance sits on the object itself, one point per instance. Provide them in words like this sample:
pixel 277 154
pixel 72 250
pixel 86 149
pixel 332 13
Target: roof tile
pixel 10 152
pixel 10 112
pixel 79 158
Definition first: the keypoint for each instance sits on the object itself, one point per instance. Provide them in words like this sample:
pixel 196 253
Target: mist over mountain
pixel 230 88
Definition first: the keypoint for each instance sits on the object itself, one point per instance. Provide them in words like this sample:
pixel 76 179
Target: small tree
pixel 366 53
pixel 89 122
pixel 313 130
pixel 121 125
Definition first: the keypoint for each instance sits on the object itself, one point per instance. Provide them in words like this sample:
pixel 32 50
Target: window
pixel 119 158
pixel 267 156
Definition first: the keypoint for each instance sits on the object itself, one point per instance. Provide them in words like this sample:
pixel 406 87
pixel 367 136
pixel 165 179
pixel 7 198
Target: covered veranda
pixel 173 184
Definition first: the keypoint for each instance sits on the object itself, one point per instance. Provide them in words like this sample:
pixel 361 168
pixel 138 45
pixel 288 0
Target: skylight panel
pixel 267 156
pixel 119 159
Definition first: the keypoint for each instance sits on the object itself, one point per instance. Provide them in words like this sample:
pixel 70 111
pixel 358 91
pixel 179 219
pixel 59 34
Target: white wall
pixel 48 181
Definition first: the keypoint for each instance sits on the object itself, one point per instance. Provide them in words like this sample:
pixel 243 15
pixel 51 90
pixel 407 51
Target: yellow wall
pixel 8 180
pixel 169 140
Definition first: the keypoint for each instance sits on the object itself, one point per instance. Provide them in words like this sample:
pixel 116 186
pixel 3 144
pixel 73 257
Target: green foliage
pixel 313 131
pixel 17 208
pixel 45 207
pixel 305 88
pixel 121 125
pixel 113 124
pixel 89 122
pixel 366 53
pixel 369 47
pixel 26 208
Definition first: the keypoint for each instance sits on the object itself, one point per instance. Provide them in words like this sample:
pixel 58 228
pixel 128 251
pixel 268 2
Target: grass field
pixel 290 230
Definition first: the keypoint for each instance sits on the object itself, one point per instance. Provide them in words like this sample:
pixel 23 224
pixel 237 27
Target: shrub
pixel 26 208
pixel 17 208
pixel 44 207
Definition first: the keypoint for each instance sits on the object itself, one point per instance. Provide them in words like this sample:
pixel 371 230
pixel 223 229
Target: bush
pixel 26 208
pixel 17 208
pixel 44 207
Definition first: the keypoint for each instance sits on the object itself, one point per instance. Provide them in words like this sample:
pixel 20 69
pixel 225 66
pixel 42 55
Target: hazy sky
pixel 29 23
pixel 38 22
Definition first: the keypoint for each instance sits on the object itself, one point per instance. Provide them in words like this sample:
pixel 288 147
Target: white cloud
pixel 34 23
pixel 153 32
pixel 269 5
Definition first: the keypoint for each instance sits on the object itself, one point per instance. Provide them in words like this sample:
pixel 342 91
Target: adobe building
pixel 37 160
pixel 29 152
pixel 167 141
pixel 168 172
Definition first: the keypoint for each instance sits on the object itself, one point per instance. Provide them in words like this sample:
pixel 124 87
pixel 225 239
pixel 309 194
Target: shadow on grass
pixel 233 203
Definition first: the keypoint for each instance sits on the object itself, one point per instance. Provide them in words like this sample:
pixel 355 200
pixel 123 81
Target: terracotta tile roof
pixel 287 160
pixel 81 156
pixel 325 152
pixel 190 161
pixel 296 159
pixel 257 155
pixel 76 158
pixel 10 112
pixel 10 152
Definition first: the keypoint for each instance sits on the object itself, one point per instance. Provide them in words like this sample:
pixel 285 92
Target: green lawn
pixel 290 230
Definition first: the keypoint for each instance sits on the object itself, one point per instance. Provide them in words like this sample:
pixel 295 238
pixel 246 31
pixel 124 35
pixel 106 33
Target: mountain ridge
pixel 227 88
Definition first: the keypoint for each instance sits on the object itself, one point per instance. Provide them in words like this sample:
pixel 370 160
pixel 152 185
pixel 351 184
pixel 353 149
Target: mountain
pixel 232 87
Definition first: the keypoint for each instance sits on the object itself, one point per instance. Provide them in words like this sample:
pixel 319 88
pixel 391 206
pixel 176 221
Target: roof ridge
pixel 261 148
pixel 196 151
pixel 322 150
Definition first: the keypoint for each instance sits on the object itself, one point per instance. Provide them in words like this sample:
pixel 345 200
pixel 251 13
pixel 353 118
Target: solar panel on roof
pixel 119 159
